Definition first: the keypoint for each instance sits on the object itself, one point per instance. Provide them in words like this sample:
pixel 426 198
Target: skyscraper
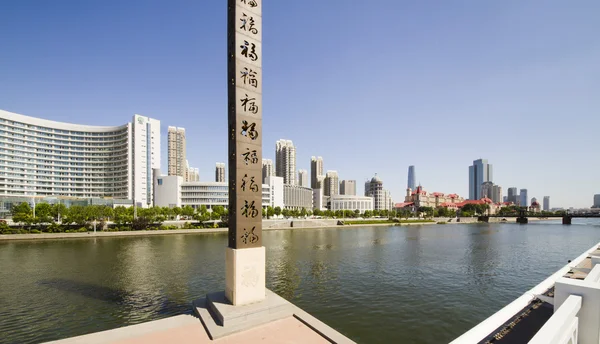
pixel 146 158
pixel 285 161
pixel 303 178
pixel 524 201
pixel 497 194
pixel 348 187
pixel 546 203
pixel 412 178
pixel 512 195
pixel 596 201
pixel 316 170
pixel 332 183
pixel 267 170
pixel 220 173
pixel 176 152
pixel 479 173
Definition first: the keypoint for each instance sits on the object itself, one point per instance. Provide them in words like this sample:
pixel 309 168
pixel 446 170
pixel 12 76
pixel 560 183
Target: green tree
pixel 277 211
pixel 176 211
pixel 303 212
pixel 203 210
pixel 367 214
pixel 188 211
pixel 167 213
pixel 219 210
pixel 77 214
pixel 43 213
pixel 285 212
pixel 317 212
pixel 122 215
pixel 375 212
pixel 22 213
pixel 264 212
pixel 270 211
pixel 58 211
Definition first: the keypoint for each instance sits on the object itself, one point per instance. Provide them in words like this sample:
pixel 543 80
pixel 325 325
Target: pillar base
pixel 245 275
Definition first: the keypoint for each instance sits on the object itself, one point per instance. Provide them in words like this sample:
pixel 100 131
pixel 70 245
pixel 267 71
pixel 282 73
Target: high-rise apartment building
pixel 285 161
pixel 382 199
pixel 348 187
pixel 191 174
pixel 546 203
pixel 176 152
pixel 412 178
pixel 523 196
pixel 303 178
pixel 332 183
pixel 267 170
pixel 491 191
pixel 88 161
pixel 146 158
pixel 220 173
pixel 512 196
pixel 316 170
pixel 479 173
pixel 596 201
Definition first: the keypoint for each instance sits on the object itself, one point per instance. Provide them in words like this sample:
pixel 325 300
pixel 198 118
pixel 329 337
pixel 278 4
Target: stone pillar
pixel 522 220
pixel 245 255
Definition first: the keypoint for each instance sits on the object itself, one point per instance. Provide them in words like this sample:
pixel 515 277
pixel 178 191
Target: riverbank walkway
pixel 189 329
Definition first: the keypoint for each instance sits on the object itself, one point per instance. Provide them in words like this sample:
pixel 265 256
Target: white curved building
pixel 40 158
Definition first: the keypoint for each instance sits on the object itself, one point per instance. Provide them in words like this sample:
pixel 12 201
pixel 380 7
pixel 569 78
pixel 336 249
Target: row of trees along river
pixel 54 218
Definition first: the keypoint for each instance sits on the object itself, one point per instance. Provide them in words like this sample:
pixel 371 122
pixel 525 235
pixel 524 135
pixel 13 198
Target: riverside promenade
pixel 189 329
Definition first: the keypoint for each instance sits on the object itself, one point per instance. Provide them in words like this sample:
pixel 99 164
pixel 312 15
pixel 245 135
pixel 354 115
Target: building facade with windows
pixel 296 197
pixel 546 203
pixel 42 158
pixel 267 170
pixel 348 187
pixel 332 183
pixel 479 173
pixel 351 202
pixel 172 191
pixel 176 160
pixel 382 199
pixel 220 173
pixel 285 161
pixel 316 171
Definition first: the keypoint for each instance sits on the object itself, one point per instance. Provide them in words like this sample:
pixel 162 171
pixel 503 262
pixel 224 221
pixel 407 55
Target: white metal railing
pixel 486 327
pixel 562 327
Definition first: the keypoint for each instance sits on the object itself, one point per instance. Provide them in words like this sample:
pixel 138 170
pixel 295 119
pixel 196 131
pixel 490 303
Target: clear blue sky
pixel 372 86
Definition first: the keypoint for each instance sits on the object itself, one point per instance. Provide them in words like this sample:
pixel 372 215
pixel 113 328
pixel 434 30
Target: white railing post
pixel 562 327
pixel 589 315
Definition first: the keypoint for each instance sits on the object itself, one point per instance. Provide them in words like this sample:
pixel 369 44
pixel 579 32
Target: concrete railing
pixel 489 325
pixel 562 327
pixel 589 314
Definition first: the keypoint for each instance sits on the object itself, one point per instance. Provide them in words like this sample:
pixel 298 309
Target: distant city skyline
pixel 533 75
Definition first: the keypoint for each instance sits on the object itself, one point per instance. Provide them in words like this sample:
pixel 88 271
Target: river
pixel 412 284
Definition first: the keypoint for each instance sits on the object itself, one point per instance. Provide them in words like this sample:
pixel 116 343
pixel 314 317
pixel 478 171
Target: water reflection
pixel 354 279
pixel 482 256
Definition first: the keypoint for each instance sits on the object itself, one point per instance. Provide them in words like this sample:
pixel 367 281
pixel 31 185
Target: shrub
pixel 4 228
pixel 81 230
pixel 54 228
pixel 441 222
pixel 35 231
